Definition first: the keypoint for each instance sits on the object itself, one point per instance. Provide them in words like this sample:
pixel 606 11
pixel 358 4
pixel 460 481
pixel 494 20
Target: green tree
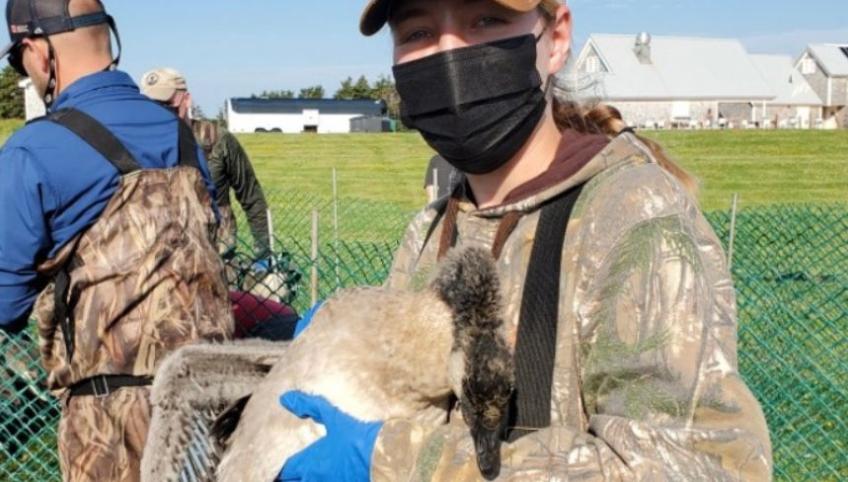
pixel 11 96
pixel 221 118
pixel 275 94
pixel 197 112
pixel 311 92
pixel 362 89
pixel 346 91
pixel 384 89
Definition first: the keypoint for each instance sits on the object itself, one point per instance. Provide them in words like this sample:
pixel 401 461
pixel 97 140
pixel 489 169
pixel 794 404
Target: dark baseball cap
pixel 42 18
pixel 376 12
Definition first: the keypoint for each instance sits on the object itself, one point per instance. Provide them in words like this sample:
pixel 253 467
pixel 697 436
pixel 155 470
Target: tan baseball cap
pixel 376 12
pixel 161 84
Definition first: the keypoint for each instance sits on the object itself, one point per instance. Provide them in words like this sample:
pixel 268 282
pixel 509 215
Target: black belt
pixel 102 385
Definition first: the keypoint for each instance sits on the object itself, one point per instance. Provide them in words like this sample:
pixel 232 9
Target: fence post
pixel 270 231
pixel 336 227
pixel 314 281
pixel 732 240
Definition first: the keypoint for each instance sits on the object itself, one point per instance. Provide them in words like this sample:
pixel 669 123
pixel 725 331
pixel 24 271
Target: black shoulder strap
pixel 187 146
pixel 440 213
pixel 535 352
pixel 97 136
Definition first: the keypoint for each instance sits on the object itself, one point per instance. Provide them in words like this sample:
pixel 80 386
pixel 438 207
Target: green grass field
pixel 764 167
pixel 8 126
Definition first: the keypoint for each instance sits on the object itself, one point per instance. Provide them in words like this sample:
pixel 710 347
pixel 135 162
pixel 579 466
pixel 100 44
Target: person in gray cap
pixel 228 163
pixel 106 236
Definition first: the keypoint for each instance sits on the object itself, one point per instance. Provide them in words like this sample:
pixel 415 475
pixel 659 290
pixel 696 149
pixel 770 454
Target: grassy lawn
pixel 377 167
pixel 8 126
pixel 764 167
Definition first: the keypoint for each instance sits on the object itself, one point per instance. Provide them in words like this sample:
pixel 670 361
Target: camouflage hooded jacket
pixel 230 168
pixel 645 381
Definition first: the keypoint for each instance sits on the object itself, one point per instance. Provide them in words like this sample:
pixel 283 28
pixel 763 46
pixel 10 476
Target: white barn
pixel 693 82
pixel 294 116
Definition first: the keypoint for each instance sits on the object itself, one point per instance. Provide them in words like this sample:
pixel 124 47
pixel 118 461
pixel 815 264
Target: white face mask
pixel 189 107
pixel 182 105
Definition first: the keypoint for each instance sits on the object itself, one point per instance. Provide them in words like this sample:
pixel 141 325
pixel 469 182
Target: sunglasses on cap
pixel 16 58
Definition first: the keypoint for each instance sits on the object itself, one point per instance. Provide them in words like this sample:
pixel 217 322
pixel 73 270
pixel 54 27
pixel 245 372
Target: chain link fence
pixel 791 274
pixel 354 240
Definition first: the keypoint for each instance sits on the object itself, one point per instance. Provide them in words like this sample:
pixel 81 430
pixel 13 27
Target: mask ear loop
pixel 111 22
pixel 541 34
pixel 52 82
pixel 548 86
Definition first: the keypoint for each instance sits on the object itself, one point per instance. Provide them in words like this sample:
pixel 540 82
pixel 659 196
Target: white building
pixel 33 104
pixel 796 105
pixel 695 82
pixel 294 116
pixel 825 66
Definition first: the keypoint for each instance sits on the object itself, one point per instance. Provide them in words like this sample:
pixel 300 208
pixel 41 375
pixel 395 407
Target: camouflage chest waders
pixel 144 280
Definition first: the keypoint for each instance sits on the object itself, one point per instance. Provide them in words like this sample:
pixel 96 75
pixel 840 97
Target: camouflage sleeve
pixel 405 272
pixel 659 367
pixel 658 378
pixel 248 192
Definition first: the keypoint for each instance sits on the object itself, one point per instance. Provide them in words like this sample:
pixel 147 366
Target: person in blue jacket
pixel 107 206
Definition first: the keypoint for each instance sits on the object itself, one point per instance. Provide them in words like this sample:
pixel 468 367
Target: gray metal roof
pixel 791 87
pixel 680 69
pixel 297 106
pixel 832 58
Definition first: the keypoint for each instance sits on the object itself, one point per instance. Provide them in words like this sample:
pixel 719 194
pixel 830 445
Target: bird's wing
pixel 191 389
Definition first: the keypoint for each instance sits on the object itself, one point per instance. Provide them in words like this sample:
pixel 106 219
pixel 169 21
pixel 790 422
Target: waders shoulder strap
pixel 188 146
pixel 97 136
pixel 535 352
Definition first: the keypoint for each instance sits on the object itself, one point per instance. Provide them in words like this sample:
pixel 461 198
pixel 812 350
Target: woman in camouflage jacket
pixel 643 379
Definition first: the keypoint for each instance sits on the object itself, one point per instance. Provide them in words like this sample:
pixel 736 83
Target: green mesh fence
pixel 356 239
pixel 791 274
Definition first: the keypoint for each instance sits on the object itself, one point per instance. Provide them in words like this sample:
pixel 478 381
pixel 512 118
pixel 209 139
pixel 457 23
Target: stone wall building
pixel 796 106
pixel 680 82
pixel 825 66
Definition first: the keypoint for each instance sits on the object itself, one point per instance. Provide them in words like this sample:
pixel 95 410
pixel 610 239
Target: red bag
pixel 250 310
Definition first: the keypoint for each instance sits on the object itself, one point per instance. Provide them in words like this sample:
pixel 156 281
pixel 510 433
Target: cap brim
pixel 160 94
pixel 6 50
pixel 376 12
pixel 374 17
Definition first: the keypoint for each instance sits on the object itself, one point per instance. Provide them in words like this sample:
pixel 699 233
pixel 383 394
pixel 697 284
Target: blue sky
pixel 231 48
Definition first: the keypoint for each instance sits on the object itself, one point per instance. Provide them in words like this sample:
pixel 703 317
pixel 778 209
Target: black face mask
pixel 476 106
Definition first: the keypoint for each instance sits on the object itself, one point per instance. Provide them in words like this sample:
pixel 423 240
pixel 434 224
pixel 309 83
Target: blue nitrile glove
pixel 306 319
pixel 344 454
pixel 261 266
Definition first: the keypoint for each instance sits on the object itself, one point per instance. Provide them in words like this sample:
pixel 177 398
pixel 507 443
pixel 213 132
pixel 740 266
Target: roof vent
pixel 643 48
